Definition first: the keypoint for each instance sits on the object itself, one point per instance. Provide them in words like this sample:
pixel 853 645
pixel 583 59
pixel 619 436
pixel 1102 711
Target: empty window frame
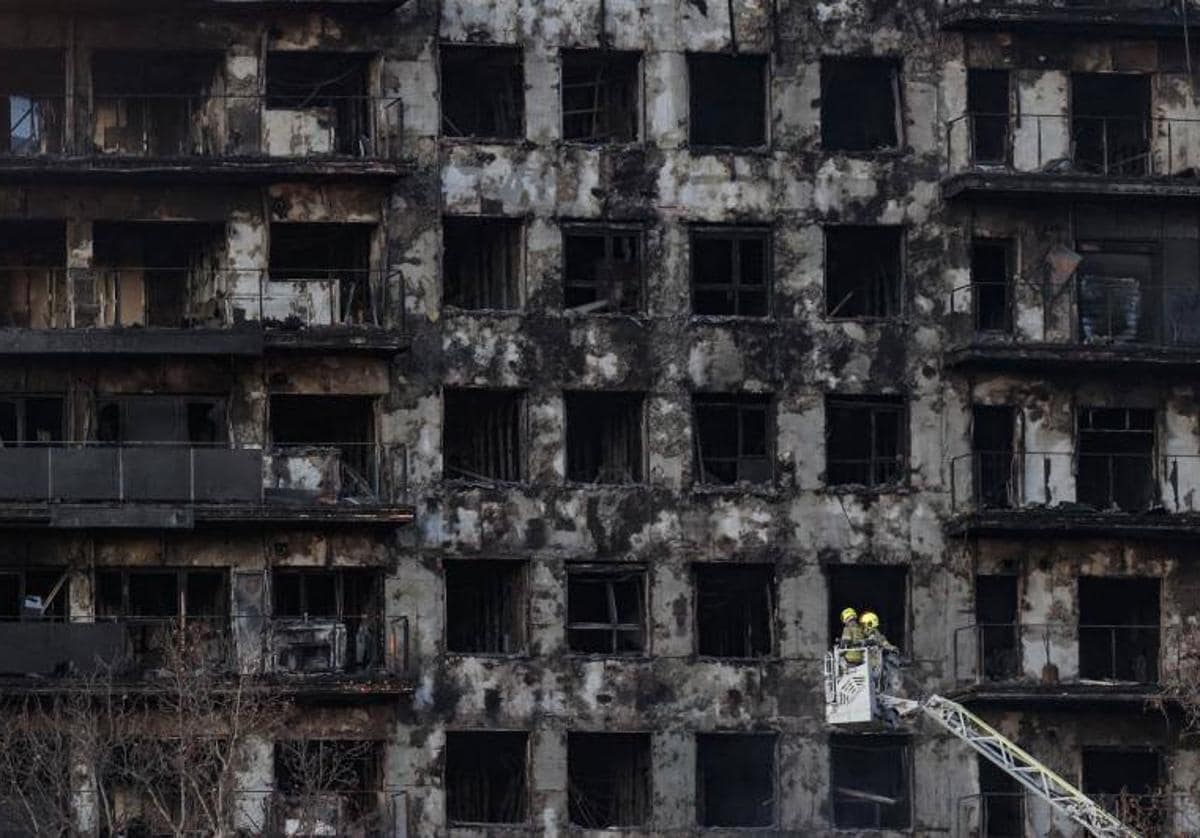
pixel 864 271
pixel 1110 123
pixel 600 100
pixel 871 779
pixel 604 437
pixel 1128 782
pixel 48 586
pixel 735 779
pixel 481 262
pixel 319 251
pixel 608 779
pixel 161 593
pixel 33 273
pixel 866 441
pixel 732 438
pixel 602 268
pixel 731 271
pixel 996 626
pixel 879 588
pixel 326 593
pixel 307 89
pixel 992 277
pixel 32 101
pixel 995 466
pixel 1119 628
pixel 606 609
pixel 482 434
pixel 306 767
pixel 988 111
pixel 1120 290
pixel 727 96
pixel 483 92
pixel 860 104
pixel 197 420
pixel 735 610
pixel 485 607
pixel 1002 803
pixel 1115 460
pixel 31 420
pixel 486 778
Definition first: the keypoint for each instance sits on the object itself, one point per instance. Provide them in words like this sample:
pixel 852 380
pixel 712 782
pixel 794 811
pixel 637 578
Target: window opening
pixel 731 271
pixel 483 92
pixel 735 779
pixel 1119 628
pixel 481 260
pixel 606 610
pixel 860 104
pixel 485 607
pixel 735 610
pixel 865 439
pixel 608 779
pixel 863 271
pixel 728 100
pixel 604 437
pixel 1115 468
pixel 871 785
pixel 732 438
pixel 482 434
pixel 486 777
pixel 602 269
pixel 600 96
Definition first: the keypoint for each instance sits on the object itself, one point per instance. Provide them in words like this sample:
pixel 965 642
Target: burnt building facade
pixel 525 387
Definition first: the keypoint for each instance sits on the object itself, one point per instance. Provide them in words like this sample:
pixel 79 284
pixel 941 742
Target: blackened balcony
pixel 1010 814
pixel 1071 154
pixel 1144 17
pixel 1075 493
pixel 204 134
pixel 1058 659
pixel 1115 321
pixel 149 310
pixel 94 484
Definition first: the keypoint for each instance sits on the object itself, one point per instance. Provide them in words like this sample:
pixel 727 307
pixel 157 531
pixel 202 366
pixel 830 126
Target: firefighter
pixel 872 636
pixel 852 637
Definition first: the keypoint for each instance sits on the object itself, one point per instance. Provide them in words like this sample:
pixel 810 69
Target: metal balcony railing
pixel 1103 146
pixel 135 646
pixel 326 474
pixel 1007 814
pixel 153 297
pixel 1074 482
pixel 1095 310
pixel 192 125
pixel 996 653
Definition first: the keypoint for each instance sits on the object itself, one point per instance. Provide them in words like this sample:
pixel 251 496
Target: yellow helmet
pixel 869 620
pixel 849 614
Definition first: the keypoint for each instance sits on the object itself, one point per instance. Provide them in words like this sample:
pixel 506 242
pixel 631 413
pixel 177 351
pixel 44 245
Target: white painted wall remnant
pixel 299 132
pixel 1042 132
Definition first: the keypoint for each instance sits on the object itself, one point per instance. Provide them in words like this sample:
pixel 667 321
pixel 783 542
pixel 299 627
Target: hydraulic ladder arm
pixel 1017 763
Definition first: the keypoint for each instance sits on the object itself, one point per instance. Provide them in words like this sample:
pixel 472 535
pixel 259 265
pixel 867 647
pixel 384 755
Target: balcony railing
pixel 1008 814
pixel 132 646
pixel 330 474
pixel 1063 144
pixel 999 653
pixel 165 126
pixel 181 298
pixel 1074 482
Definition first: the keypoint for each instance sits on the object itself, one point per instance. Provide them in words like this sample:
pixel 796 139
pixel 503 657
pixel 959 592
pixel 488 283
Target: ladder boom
pixel 1018 764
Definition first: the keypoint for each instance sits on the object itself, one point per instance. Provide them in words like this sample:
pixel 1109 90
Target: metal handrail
pixel 1157 147
pixel 199 124
pixel 92 297
pixel 1023 639
pixel 83 471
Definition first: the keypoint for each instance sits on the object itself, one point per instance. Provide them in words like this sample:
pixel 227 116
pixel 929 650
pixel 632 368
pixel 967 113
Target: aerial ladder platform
pixel 856 693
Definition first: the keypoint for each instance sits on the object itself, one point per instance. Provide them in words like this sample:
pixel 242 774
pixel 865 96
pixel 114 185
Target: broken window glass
pixel 485 777
pixel 485 607
pixel 481 262
pixel 1115 468
pixel 1110 122
pixel 735 779
pixel 860 104
pixel 735 610
pixel 731 271
pixel 28 593
pixel 600 96
pixel 604 437
pixel 1119 628
pixel 879 588
pixel 988 109
pixel 32 85
pixel 602 268
pixel 483 92
pixel 863 271
pixel 732 438
pixel 482 434
pixel 317 103
pixel 608 779
pixel 865 441
pixel 871 785
pixel 606 609
pixel 728 100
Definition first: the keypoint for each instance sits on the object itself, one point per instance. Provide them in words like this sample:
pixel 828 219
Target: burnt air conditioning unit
pixel 309 646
